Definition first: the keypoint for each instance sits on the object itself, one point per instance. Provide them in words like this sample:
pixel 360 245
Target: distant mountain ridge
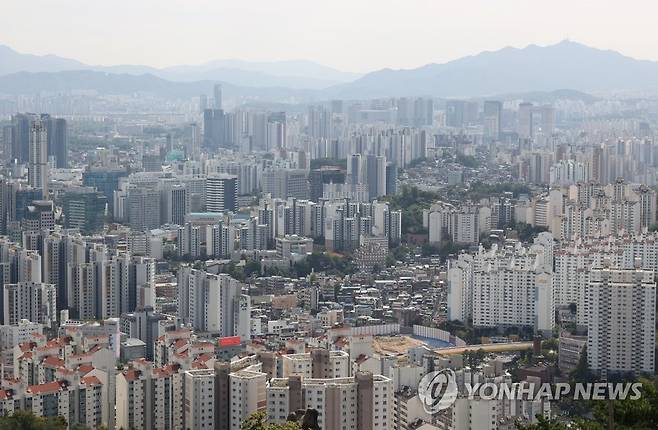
pixel 115 84
pixel 512 70
pixel 289 73
pixel 566 68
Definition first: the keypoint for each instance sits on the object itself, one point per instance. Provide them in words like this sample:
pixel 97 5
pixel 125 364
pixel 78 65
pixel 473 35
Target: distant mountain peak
pixel 565 64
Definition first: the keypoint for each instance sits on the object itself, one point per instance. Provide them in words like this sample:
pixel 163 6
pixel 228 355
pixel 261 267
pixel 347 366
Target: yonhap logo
pixel 437 390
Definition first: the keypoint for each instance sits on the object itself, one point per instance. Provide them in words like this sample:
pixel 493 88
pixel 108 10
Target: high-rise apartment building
pixel 213 303
pixel 621 331
pixel 364 401
pixel 318 363
pixel 247 395
pixel 32 301
pixel 199 399
pixel 493 292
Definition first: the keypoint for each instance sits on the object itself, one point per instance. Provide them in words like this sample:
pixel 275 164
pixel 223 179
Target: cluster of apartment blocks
pixel 467 412
pixel 568 212
pixel 195 381
pixel 186 386
pixel 62 270
pixel 611 282
pixel 631 159
pixel 69 376
pixel 283 225
pixel 147 199
pixel 590 210
pixel 506 286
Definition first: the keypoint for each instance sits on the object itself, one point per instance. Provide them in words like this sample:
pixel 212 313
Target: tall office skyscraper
pixel 319 122
pixel 391 178
pixel 276 130
pixel 203 103
pixel 493 111
pixel 275 135
pixel 547 120
pixel 284 183
pixel 376 175
pixel 193 147
pixel 324 175
pixel 38 157
pixel 423 112
pixel 217 91
pixel 213 128
pixel 19 134
pixel 354 169
pixel 175 203
pixel 83 208
pixel 455 113
pixel 20 143
pixel 525 120
pixel 57 140
pixel 221 193
pixel 143 207
pixel 105 180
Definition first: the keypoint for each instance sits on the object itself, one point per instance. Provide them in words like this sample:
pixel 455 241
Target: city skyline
pixel 463 236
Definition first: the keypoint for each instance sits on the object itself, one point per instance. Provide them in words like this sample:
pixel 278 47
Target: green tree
pixel 324 262
pixel 526 231
pixel 443 249
pixel 542 423
pixel 258 421
pixel 582 373
pixel 22 420
pixel 640 413
pixel 474 358
pixel 479 190
pixel 467 161
pixel 411 201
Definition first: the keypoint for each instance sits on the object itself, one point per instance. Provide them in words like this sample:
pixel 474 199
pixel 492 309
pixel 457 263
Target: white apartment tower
pixel 247 395
pixel 364 401
pixel 199 399
pixel 32 301
pixel 621 332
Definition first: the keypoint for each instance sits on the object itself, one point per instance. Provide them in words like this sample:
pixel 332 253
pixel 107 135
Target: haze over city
pixel 346 215
pixel 354 36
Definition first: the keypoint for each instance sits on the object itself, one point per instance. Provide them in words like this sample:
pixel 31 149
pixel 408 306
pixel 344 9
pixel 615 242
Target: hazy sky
pixel 353 35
